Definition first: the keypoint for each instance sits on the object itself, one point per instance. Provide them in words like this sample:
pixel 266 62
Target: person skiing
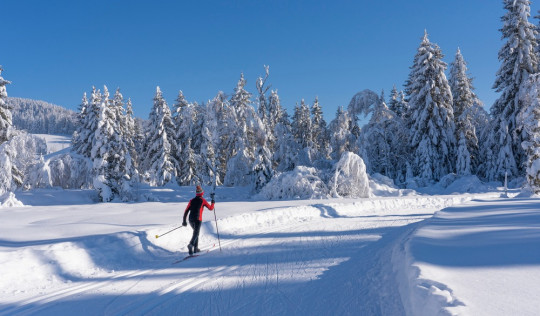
pixel 195 209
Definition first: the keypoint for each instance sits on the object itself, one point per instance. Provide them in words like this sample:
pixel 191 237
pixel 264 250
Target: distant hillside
pixel 40 117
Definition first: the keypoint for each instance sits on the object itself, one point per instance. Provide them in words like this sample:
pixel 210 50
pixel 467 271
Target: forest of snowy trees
pixel 39 117
pixel 435 127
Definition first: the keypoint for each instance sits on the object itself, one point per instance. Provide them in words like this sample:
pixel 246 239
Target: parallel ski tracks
pixel 41 302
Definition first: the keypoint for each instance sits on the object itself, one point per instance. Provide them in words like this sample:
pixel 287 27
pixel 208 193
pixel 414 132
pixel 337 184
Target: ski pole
pixel 157 236
pixel 215 218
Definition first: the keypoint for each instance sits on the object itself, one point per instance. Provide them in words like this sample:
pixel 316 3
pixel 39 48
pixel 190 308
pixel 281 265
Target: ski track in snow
pixel 299 263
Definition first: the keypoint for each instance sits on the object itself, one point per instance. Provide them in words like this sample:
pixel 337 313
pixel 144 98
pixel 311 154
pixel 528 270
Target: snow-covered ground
pixel 458 250
pixel 56 143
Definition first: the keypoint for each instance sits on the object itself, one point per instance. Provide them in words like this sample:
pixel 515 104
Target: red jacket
pixel 195 208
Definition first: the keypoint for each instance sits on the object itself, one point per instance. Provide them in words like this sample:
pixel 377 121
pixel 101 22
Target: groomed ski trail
pixel 300 268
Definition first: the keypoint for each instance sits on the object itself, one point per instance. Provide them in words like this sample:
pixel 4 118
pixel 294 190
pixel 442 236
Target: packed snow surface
pixel 62 254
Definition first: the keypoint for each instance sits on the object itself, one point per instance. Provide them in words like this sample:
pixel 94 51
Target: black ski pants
pixel 196 225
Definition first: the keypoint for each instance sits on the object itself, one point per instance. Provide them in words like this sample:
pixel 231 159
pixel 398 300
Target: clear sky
pixel 56 50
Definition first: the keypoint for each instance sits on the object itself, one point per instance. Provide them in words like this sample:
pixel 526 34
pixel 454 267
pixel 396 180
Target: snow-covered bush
pixel 300 183
pixel 349 177
pixel 69 171
pixel 9 200
pixel 16 157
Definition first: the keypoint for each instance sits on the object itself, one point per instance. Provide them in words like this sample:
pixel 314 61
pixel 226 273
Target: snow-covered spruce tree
pixel 188 172
pixel 320 137
pixel 262 169
pixel 76 140
pixel 302 131
pixel 339 133
pixel 275 112
pixel 249 134
pixel 122 158
pixel 83 138
pixel 518 60
pixel 397 103
pixel 182 117
pixel 383 143
pixel 100 153
pixel 431 115
pixel 284 149
pixel 464 99
pixel 262 101
pixel 10 176
pixel 223 134
pixel 463 156
pixel 131 135
pixel 159 160
pixel 5 111
pixel 113 166
pixel 528 122
pixel 207 167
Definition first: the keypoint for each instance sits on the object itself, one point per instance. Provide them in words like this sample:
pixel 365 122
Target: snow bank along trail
pixel 482 258
pixel 327 257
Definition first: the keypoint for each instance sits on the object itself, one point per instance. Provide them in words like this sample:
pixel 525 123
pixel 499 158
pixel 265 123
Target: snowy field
pixel 401 252
pixel 62 254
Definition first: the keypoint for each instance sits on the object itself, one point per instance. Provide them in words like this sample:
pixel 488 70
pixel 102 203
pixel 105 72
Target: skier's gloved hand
pixel 184 224
pixel 213 201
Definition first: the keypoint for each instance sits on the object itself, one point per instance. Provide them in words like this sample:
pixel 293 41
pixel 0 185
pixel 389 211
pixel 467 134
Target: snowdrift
pixel 348 178
pixel 300 183
pixel 477 259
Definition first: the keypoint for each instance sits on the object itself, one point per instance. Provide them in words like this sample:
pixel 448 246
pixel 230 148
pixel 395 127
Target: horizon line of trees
pixel 434 127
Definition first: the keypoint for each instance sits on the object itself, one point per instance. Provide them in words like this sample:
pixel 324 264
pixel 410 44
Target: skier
pixel 195 210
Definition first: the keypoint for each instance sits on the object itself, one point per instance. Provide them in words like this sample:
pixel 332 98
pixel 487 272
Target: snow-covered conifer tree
pixel 10 176
pixel 5 111
pixel 249 134
pixel 101 153
pixel 262 102
pixel 321 141
pixel 160 144
pixel 528 122
pixel 431 115
pixel 83 138
pixel 464 99
pixel 261 171
pixel 302 126
pixel 339 133
pixel 518 60
pixel 281 143
pixel 224 133
pixel 397 102
pixel 383 143
pixel 188 172
pixel 463 156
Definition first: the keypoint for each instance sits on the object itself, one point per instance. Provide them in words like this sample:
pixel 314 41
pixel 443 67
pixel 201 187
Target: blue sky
pixel 56 50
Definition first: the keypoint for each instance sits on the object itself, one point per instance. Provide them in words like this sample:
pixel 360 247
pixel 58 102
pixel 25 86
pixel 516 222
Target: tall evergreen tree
pixel 224 133
pixel 464 99
pixel 528 122
pixel 431 115
pixel 10 176
pixel 382 143
pixel 321 142
pixel 339 133
pixel 5 111
pixel 518 60
pixel 302 126
pixel 160 144
pixel 83 139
